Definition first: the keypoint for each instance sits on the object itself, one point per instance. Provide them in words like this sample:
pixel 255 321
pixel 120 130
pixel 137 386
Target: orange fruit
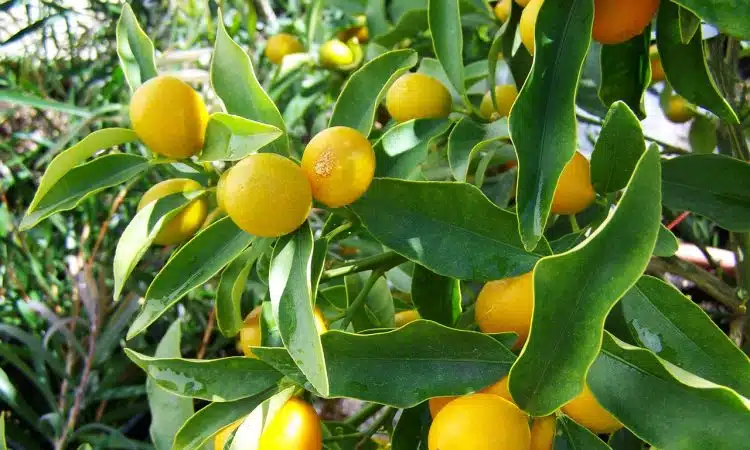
pixel 502 10
pixel 657 70
pixel 401 318
pixel 543 432
pixel 280 45
pixel 506 306
pixel 616 21
pixel 186 222
pixel 587 411
pixel 296 426
pixel 505 95
pixel 417 96
pixel 220 439
pixel 574 191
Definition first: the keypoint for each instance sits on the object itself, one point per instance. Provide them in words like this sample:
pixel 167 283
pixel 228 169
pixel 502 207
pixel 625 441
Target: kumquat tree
pixel 375 224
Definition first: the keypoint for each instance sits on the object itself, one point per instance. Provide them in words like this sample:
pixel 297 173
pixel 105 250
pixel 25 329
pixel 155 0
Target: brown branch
pixel 207 334
pixel 105 225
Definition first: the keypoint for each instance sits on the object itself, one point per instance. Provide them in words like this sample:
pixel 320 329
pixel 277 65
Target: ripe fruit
pixel 183 225
pixel 505 95
pixel 479 421
pixel 574 191
pixel 295 426
pixel 502 10
pixel 616 21
pixel 527 25
pixel 280 45
pixel 221 437
pixel 543 433
pixel 587 411
pixel 360 31
pixel 679 110
pixel 657 70
pixel 250 335
pixel 335 54
pixel 499 388
pixel 220 188
pixel 267 195
pixel 438 403
pixel 522 2
pixel 169 117
pixel 401 318
pixel 417 96
pixel 339 163
pixel 506 305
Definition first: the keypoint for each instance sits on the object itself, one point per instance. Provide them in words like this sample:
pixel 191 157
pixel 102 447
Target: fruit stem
pixel 383 261
pixel 574 223
pixel 361 297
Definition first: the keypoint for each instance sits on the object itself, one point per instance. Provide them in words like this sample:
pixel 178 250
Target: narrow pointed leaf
pixel 135 49
pixel 444 18
pixel 231 138
pixel 403 148
pixel 468 138
pixel 666 243
pixel 410 24
pixel 618 149
pixel 729 16
pixel 626 72
pixel 571 436
pixel 436 297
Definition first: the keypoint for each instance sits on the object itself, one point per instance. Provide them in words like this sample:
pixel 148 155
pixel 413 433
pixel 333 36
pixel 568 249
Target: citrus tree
pixel 409 202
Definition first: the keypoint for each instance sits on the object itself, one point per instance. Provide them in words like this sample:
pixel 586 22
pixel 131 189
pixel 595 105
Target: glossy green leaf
pixel 408 25
pixel 543 123
pixel 587 97
pixel 626 72
pixel 84 181
pixel 3 445
pixel 669 324
pixel 216 380
pixel 468 138
pixel 141 232
pixel 685 64
pixel 362 92
pixel 291 296
pixel 377 310
pixel 571 436
pixel 231 138
pixel 714 186
pixel 189 267
pixel 73 156
pixel 618 149
pixel 444 19
pixel 450 228
pixel 168 411
pixel 624 439
pixel 689 25
pixel 729 16
pixel 412 429
pixel 702 135
pixel 567 242
pixel 231 285
pixel 135 49
pixel 402 149
pixel 16 401
pixel 520 59
pixel 18 97
pixel 234 81
pixel 436 297
pixel 666 243
pixel 574 292
pixel 665 405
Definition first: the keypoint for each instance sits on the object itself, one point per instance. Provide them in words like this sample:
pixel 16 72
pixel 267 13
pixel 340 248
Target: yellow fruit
pixel 320 321
pixel 220 187
pixel 280 45
pixel 295 426
pixel 657 70
pixel 502 10
pixel 401 318
pixel 360 32
pixel 506 305
pixel 505 95
pixel 574 191
pixel 679 110
pixel 267 195
pixel 186 222
pixel 169 117
pixel 616 21
pixel 417 96
pixel 479 422
pixel 335 54
pixel 438 403
pixel 221 437
pixel 587 411
pixel 527 25
pixel 250 332
pixel 499 388
pixel 522 2
pixel 543 433
pixel 339 163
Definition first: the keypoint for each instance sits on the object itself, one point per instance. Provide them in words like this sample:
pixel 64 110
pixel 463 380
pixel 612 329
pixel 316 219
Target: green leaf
pixel 168 411
pixel 618 149
pixel 468 138
pixel 412 429
pixel 450 228
pixel 669 324
pixel 665 405
pixel 574 292
pixel 234 81
pixel 362 92
pixel 624 439
pixel 16 401
pixel 378 310
pixel 571 436
pixel 216 380
pixel 377 22
pixel 626 72
pixel 436 297
pixel 232 284
pixel 402 149
pixel 412 23
pixel 729 16
pixel 685 64
pixel 689 25
pixel 710 185
pixel 231 138
pixel 542 122
pixel 189 267
pixel 73 156
pixel 702 135
pixel 666 243
pixel 519 59
pixel 84 181
pixel 290 290
pixel 141 232
pixel 22 98
pixel 135 49
pixel 444 19
pixel 3 445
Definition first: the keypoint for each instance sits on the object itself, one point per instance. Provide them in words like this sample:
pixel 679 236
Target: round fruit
pixel 417 96
pixel 339 163
pixel 657 70
pixel 221 437
pixel 505 95
pixel 183 225
pixel 335 54
pixel 587 411
pixel 502 10
pixel 574 191
pixel 506 305
pixel 169 117
pixel 250 332
pixel 471 422
pixel 220 187
pixel 438 403
pixel 527 25
pixel 616 21
pixel 679 110
pixel 280 45
pixel 401 318
pixel 295 426
pixel 543 433
pixel 522 2
pixel 499 388
pixel 267 195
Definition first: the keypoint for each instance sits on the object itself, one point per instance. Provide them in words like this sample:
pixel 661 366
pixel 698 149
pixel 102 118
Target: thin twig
pixel 105 225
pixel 361 298
pixel 384 261
pixel 363 414
pixel 207 333
pixel 671 225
